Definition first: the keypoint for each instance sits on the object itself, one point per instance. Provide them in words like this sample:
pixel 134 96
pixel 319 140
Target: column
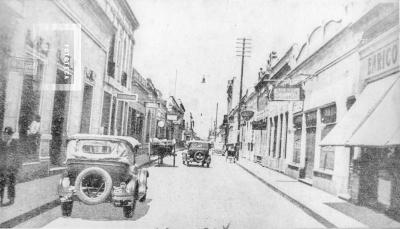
pixel 14 79
pixel 318 130
pixel 283 139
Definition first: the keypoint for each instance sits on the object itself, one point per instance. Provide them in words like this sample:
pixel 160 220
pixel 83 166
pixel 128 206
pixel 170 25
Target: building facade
pixel 340 134
pixel 370 130
pixel 54 75
pixel 69 65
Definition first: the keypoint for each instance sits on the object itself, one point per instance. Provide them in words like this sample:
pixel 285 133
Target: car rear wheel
pixel 199 156
pixel 93 185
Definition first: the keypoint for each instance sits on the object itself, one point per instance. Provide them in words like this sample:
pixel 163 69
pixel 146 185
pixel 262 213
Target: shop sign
pixel 247 114
pixel 25 65
pixel 151 105
pixel 382 60
pixel 286 94
pixel 172 117
pixel 128 97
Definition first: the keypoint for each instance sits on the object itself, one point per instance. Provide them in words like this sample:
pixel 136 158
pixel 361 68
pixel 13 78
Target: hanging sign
pixel 172 117
pixel 286 94
pixel 247 114
pixel 128 97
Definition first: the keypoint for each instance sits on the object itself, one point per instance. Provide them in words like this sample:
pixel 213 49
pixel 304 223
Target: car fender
pixel 142 180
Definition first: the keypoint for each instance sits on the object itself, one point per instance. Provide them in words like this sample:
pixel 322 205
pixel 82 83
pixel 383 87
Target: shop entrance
pixel 86 108
pixel 311 122
pixel 380 179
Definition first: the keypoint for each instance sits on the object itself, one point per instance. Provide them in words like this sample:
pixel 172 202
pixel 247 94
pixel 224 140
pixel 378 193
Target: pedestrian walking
pixel 10 162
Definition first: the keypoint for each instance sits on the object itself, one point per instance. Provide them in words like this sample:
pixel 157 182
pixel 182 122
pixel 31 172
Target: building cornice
pixel 61 5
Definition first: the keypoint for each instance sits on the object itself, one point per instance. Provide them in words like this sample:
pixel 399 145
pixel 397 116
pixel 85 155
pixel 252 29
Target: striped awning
pixel 374 120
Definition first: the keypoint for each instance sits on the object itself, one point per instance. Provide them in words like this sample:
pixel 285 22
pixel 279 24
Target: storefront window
pixel 297 122
pixel 106 112
pixel 120 113
pixel 275 135
pixel 113 111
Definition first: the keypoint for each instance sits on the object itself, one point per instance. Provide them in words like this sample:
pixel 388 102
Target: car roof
pixel 132 141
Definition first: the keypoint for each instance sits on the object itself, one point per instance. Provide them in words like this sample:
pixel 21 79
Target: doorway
pixel 58 126
pixel 86 108
pixel 311 122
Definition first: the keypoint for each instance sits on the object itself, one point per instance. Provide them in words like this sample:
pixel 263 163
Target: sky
pixel 179 41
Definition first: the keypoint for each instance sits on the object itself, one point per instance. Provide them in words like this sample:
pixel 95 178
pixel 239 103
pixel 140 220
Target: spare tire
pixel 199 156
pixel 93 185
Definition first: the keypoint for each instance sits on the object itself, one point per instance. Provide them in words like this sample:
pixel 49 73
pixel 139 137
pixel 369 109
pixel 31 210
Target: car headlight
pixel 65 183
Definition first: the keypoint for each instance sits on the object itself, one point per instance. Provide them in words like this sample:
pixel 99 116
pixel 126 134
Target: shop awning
pixel 374 120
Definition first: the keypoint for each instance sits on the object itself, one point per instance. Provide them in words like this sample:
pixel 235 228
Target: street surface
pixel 222 196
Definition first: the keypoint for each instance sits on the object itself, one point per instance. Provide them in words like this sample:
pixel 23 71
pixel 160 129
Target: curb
pixel 30 214
pixel 303 207
pixel 43 208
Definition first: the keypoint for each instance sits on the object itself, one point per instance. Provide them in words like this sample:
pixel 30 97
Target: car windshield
pixel 198 145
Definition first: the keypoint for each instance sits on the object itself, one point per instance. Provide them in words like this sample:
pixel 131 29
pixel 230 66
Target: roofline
pixel 125 5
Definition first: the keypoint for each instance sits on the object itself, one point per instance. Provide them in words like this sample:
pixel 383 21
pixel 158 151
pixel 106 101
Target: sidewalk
pixel 326 208
pixel 31 196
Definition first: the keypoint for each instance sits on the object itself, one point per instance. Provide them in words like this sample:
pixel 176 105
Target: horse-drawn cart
pixel 231 152
pixel 163 148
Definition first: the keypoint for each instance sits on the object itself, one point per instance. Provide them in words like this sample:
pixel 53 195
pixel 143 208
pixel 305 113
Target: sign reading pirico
pixel 382 60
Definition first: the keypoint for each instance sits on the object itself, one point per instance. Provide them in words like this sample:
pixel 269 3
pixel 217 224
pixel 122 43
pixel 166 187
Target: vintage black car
pixel 197 152
pixel 101 168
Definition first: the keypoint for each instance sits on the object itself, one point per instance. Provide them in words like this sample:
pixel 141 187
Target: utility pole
pixel 176 77
pixel 243 51
pixel 216 119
